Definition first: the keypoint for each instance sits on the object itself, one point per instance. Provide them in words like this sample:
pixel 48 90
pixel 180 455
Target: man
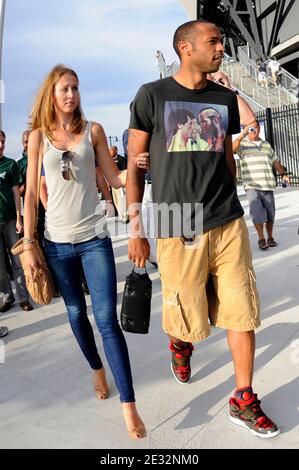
pixel 208 277
pixel 262 73
pixel 22 164
pixel 257 159
pixel 10 227
pixel 274 66
pixel 119 195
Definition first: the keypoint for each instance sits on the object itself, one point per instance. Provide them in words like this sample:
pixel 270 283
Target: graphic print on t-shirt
pixel 196 127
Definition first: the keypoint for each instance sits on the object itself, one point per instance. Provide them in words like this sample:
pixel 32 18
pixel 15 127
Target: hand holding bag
pixel 41 288
pixel 136 304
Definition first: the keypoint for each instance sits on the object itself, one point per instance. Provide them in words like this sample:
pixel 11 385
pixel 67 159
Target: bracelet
pixel 28 240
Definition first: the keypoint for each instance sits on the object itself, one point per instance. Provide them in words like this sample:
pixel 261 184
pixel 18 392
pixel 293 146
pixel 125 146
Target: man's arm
pixel 229 155
pixel 247 115
pixel 138 248
pixel 278 167
pixel 22 189
pixel 238 140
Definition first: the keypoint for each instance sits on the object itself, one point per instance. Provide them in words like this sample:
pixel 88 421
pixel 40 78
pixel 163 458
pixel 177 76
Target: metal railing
pixel 282 131
pixel 251 92
pixel 289 83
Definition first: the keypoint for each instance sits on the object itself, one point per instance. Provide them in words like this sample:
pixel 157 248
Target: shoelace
pixel 180 364
pixel 265 422
pixel 262 420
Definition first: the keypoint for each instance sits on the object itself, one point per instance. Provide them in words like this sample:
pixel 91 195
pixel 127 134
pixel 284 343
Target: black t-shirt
pixel 188 162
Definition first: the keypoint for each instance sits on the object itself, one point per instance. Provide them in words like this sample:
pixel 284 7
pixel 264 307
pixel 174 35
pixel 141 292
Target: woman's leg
pixel 63 261
pixel 99 267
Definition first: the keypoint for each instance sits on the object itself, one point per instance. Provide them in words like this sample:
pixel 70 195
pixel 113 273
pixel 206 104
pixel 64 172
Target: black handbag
pixel 136 305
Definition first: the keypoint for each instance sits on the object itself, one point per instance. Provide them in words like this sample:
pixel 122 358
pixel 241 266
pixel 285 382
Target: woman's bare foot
pixel 135 426
pixel 100 384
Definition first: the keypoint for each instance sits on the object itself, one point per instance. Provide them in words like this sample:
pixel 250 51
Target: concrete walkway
pixel 46 395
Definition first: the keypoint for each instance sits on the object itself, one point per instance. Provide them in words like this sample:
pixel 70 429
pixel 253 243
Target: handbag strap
pixel 133 270
pixel 39 176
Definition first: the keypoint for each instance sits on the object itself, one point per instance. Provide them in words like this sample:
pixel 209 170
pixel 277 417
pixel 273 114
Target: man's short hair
pixel 187 32
pixel 2 134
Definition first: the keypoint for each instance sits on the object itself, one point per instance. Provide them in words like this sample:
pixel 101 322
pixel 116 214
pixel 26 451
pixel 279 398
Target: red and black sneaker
pixel 180 363
pixel 248 414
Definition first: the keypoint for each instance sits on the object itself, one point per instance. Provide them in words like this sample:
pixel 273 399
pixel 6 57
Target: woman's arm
pixel 31 183
pixel 115 178
pixel 102 184
pixel 32 260
pixel 16 195
pixel 43 192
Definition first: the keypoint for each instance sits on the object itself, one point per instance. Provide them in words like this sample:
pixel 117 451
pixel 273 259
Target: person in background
pixel 262 73
pixel 274 66
pixel 257 159
pixel 22 164
pixel 10 229
pixel 119 194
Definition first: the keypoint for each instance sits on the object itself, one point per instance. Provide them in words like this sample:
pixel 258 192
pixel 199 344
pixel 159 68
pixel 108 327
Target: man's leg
pixel 11 238
pixel 181 352
pixel 269 228
pixel 242 347
pixel 184 275
pixel 258 214
pixel 260 230
pixel 6 295
pixel 178 343
pixel 269 203
pixel 245 407
pixel 235 307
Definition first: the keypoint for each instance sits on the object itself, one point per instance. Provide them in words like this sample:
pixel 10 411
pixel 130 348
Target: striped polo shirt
pixel 256 163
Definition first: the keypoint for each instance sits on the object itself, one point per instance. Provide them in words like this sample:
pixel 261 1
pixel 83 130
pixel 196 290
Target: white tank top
pixel 74 213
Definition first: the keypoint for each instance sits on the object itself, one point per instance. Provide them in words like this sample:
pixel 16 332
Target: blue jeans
pixel 97 259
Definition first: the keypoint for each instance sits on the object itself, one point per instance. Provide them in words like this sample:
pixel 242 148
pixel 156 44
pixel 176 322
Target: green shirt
pixel 22 164
pixel 9 177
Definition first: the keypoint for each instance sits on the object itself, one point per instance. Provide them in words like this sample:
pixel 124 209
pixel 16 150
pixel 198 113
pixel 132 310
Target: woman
pixel 74 232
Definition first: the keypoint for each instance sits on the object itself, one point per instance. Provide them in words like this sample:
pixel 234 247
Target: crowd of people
pixel 207 278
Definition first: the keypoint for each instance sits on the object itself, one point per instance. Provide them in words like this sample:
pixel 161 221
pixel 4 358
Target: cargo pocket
pixel 174 321
pixel 254 293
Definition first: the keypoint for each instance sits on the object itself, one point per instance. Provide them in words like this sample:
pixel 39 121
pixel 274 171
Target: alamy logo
pixel 2 352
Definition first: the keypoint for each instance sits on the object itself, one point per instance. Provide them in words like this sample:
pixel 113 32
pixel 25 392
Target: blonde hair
pixel 43 111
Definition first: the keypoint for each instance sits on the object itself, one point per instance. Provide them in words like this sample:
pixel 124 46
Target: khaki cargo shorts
pixel 208 282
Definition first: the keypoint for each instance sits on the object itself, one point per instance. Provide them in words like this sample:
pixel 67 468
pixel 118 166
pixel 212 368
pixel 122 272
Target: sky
pixel 110 44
